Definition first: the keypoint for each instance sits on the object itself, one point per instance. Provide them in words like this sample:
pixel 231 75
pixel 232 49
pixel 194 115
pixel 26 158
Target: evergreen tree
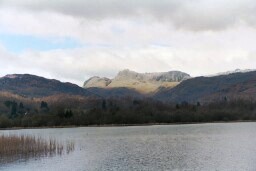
pixel 21 106
pixel 104 105
pixel 14 109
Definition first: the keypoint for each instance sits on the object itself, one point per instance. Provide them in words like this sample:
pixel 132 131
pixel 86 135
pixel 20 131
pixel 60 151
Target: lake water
pixel 220 146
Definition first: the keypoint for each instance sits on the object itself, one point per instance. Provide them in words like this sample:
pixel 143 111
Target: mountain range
pixel 144 83
pixel 172 86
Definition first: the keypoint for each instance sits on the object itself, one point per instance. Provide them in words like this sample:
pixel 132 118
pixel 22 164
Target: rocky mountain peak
pixel 171 76
pixel 97 82
pixel 142 82
pixel 128 74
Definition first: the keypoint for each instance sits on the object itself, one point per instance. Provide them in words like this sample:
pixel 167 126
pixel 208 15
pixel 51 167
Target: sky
pixel 74 40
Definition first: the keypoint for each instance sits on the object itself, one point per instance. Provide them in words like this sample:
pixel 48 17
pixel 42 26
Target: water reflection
pixel 172 147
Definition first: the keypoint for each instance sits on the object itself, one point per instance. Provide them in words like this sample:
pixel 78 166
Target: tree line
pixel 125 111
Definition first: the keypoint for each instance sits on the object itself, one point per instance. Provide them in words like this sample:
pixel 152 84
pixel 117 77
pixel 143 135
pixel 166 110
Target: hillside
pixel 206 89
pixel 34 86
pixel 32 101
pixel 169 87
pixel 144 83
pixel 117 92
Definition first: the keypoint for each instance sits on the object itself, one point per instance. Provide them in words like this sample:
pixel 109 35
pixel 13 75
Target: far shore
pixel 123 125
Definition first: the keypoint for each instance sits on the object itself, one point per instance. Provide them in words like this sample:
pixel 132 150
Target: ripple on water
pixel 173 147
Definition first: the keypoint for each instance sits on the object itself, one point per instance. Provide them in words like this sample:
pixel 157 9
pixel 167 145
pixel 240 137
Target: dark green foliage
pixel 104 105
pixel 198 104
pixel 14 109
pixel 12 105
pixel 127 111
pixel 225 99
pixel 5 122
pixel 68 114
pixel 21 106
pixel 177 106
pixel 61 112
pixel 44 105
pixel 8 103
pixel 136 102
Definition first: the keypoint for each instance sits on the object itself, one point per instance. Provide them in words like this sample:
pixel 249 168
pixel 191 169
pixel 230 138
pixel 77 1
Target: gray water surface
pixel 220 146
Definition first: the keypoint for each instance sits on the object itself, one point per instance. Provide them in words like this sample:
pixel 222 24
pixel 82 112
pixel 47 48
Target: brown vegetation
pixel 15 147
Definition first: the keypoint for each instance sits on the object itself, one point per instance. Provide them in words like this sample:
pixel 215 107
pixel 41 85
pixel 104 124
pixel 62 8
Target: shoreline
pixel 123 125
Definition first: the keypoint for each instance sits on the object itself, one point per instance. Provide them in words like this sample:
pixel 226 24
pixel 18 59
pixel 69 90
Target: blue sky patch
pixel 19 43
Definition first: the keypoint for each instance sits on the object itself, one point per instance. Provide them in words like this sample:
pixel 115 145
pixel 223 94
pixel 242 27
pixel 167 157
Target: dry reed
pixel 15 147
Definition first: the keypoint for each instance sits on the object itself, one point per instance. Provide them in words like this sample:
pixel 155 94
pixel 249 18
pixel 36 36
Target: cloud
pixel 193 15
pixel 77 65
pixel 126 22
pixel 108 32
pixel 199 37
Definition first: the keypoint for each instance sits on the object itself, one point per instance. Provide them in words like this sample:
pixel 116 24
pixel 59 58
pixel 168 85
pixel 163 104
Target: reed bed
pixel 14 147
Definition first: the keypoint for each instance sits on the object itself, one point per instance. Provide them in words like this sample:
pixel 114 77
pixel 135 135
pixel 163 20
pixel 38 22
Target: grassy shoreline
pixel 124 125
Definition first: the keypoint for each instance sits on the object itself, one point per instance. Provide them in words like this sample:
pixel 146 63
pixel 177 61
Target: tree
pixel 135 102
pixel 21 106
pixel 198 104
pixel 8 104
pixel 12 105
pixel 104 105
pixel 44 105
pixel 184 104
pixel 177 106
pixel 68 114
pixel 4 122
pixel 61 112
pixel 14 109
pixel 225 99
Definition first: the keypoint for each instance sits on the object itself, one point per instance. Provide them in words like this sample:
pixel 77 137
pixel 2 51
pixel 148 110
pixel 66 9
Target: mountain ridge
pixel 231 72
pixel 37 86
pixel 203 89
pixel 207 89
pixel 142 82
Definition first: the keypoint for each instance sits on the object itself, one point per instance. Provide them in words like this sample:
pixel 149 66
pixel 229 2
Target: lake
pixel 214 146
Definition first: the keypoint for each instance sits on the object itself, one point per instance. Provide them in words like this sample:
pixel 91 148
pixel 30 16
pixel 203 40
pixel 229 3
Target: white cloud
pixel 196 36
pixel 77 65
pixel 194 15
